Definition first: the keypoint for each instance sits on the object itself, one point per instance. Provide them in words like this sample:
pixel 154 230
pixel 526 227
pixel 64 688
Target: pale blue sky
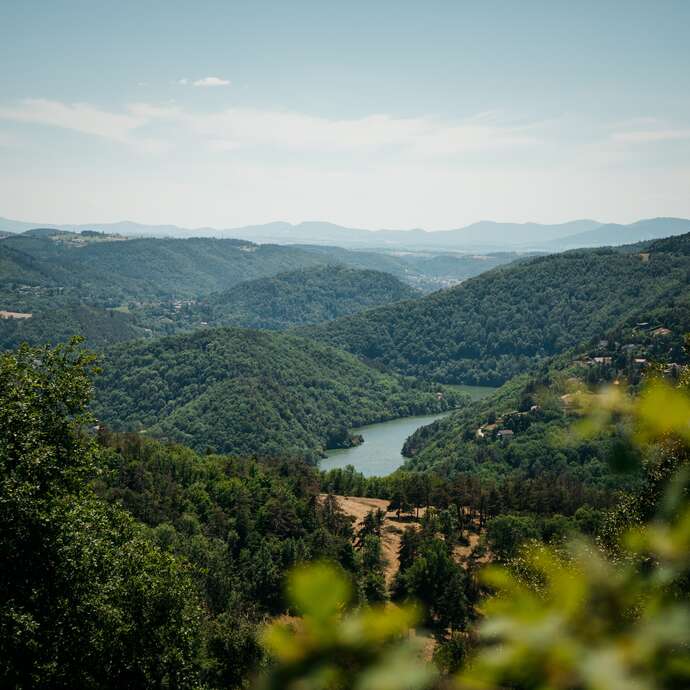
pixel 375 114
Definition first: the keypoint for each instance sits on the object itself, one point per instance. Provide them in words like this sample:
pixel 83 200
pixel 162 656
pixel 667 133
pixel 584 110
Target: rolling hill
pixel 305 296
pixel 501 323
pixel 52 325
pixel 252 392
pixel 613 234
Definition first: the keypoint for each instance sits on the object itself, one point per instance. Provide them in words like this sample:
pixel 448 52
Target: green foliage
pixel 506 533
pixel 85 599
pixel 306 296
pixel 564 618
pixel 334 647
pixel 438 583
pixel 251 392
pixel 372 579
pixel 55 324
pixel 592 624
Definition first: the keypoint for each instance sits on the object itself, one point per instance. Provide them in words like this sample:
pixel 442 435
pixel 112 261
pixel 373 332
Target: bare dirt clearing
pixel 393 527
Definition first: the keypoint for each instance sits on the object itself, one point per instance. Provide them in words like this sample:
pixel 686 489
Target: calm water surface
pixel 380 453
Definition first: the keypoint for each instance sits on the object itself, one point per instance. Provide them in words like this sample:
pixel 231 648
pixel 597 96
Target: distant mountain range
pixel 481 236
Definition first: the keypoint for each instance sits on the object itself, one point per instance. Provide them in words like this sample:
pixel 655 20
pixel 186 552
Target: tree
pixel 86 600
pixel 436 582
pixel 372 580
pixel 372 524
pixel 506 533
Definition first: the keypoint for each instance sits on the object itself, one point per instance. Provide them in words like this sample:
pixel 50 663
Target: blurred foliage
pixel 334 646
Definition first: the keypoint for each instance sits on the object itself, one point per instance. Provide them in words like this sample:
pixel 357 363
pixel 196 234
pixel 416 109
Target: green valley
pixel 253 393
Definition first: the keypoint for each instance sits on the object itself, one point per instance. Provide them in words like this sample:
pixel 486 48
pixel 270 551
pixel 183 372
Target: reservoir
pixel 380 454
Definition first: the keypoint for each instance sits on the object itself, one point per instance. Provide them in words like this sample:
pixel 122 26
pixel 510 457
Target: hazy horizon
pixel 133 221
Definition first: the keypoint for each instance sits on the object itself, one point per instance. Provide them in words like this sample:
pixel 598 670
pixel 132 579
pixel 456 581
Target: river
pixel 380 454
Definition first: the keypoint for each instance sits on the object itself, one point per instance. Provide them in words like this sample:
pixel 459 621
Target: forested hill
pixel 252 392
pixel 523 435
pixel 57 324
pixel 305 296
pixel 113 272
pixel 497 325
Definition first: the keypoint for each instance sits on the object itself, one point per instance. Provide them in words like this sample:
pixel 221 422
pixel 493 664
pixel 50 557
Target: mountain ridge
pixel 484 234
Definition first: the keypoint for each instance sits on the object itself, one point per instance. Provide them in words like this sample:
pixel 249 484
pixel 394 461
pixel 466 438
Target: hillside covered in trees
pixel 305 296
pixel 111 270
pixel 56 324
pixel 252 392
pixel 501 323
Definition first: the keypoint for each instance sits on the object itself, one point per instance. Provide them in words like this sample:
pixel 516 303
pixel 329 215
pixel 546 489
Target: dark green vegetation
pixel 109 270
pixel 52 325
pixel 86 599
pixel 130 564
pixel 499 324
pixel 111 273
pixel 306 297
pixel 296 298
pixel 252 392
pixel 70 281
pixel 522 432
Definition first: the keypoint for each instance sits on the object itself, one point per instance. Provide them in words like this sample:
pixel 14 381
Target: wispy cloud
pixel 204 82
pixel 211 81
pixel 85 118
pixel 234 129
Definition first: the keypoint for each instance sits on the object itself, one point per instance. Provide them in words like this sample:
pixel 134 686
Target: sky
pixel 371 114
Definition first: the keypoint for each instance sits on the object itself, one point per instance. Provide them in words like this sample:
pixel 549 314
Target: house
pixel 661 331
pixel 603 360
pixel 640 362
pixel 644 257
pixel 603 343
pixel 505 435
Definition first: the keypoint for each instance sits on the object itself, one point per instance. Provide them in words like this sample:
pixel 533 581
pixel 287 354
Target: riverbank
pixel 380 454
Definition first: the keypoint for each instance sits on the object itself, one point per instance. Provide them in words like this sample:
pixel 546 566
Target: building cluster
pixel 500 428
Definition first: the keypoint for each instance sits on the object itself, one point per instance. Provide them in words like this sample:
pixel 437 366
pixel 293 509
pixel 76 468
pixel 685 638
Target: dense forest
pixel 253 392
pixel 136 564
pixel 57 324
pixel 497 325
pixel 111 271
pixel 306 296
pixel 110 289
